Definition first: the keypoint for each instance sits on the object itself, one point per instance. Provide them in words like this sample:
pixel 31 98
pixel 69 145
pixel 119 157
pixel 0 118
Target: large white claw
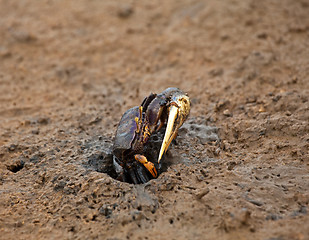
pixel 178 112
pixel 169 134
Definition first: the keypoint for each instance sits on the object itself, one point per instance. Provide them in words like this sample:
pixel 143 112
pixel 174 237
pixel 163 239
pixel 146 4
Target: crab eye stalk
pixel 179 109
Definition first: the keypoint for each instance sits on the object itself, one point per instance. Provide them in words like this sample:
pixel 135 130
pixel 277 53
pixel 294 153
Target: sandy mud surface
pixel 70 69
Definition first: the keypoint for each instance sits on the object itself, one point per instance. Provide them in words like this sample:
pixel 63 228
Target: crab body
pixel 136 126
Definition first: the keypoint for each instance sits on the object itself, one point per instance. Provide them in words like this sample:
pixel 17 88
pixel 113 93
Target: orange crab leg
pixel 149 165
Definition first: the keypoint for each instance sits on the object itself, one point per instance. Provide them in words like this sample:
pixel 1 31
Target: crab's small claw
pixel 179 109
pixel 149 165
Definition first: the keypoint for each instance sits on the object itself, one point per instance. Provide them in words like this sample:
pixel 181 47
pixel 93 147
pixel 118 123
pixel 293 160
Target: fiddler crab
pixel 169 108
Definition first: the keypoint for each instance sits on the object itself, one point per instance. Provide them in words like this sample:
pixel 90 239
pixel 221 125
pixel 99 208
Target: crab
pixel 170 109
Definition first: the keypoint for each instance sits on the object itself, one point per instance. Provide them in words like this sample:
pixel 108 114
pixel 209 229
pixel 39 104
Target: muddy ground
pixel 70 69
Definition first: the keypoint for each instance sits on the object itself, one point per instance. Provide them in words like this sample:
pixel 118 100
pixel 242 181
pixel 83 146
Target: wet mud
pixel 239 166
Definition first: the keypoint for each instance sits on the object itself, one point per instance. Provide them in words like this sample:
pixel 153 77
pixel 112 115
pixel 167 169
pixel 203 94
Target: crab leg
pixel 149 165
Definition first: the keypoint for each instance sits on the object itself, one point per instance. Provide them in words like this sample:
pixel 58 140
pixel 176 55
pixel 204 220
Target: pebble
pixel 202 193
pixel 227 113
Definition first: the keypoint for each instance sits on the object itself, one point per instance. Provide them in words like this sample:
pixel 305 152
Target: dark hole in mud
pixel 16 166
pixel 102 163
pixel 100 156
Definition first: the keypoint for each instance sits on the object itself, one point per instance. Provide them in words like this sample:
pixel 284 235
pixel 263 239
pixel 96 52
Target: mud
pixel 239 167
